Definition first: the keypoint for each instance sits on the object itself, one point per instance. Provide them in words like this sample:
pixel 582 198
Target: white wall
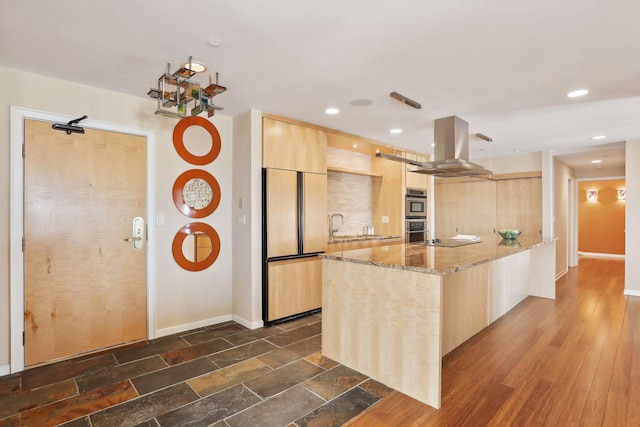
pixel 599 173
pixel 561 175
pixel 632 236
pixel 522 162
pixel 183 299
pixel 247 205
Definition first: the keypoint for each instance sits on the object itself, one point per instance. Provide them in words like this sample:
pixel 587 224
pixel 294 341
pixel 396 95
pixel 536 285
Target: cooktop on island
pixel 451 243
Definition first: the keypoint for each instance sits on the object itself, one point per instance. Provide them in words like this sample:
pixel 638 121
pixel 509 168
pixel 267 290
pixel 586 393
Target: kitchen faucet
pixel 331 226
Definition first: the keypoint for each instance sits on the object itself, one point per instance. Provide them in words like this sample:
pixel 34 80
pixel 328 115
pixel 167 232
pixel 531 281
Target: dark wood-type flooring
pixel 223 376
pixel 572 361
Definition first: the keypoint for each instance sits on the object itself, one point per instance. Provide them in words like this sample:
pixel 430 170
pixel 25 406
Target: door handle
pixel 137 238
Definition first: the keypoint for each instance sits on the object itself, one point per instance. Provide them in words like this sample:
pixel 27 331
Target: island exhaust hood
pixel 451 152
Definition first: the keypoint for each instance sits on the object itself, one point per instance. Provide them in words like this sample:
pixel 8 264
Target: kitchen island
pixel 392 312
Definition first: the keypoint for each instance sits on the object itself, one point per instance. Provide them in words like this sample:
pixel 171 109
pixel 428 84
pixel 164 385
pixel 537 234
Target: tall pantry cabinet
pixel 294 218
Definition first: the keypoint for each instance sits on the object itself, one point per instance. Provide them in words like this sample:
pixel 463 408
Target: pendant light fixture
pixel 180 96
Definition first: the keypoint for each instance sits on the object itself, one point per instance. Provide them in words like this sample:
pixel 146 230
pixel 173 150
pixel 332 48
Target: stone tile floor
pixel 223 376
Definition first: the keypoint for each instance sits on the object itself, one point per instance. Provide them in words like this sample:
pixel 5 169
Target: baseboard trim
pixel 247 324
pixel 562 273
pixel 5 370
pixel 208 322
pixel 190 326
pixel 632 293
pixel 599 255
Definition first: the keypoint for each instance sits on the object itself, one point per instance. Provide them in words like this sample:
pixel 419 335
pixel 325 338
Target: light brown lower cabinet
pixel 295 286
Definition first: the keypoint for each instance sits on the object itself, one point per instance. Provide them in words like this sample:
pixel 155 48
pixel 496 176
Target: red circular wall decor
pixel 178 196
pixel 195 228
pixel 178 141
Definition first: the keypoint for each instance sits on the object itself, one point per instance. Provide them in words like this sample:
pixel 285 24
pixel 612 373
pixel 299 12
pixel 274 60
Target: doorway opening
pixel 601 205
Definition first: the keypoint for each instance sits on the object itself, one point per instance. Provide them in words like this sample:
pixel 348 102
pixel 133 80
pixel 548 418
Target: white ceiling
pixel 504 66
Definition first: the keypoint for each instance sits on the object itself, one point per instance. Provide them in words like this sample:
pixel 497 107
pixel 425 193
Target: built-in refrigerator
pixel 295 230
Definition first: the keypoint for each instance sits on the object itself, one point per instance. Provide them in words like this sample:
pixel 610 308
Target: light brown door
pixel 85 286
pixel 282 208
pixel 316 228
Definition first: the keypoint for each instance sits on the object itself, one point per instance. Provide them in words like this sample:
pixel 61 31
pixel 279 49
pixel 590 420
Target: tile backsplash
pixel 348 194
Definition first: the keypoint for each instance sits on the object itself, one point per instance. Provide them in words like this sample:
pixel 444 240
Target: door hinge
pixel 23 244
pixel 23 151
pixel 24 340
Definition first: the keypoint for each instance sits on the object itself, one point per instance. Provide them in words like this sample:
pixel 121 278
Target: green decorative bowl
pixel 509 234
pixel 509 243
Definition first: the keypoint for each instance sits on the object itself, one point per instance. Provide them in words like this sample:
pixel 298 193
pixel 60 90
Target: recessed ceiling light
pixel 599 137
pixel 433 145
pixel 214 42
pixel 395 131
pixel 355 145
pixel 577 93
pixel 518 150
pixel 196 66
pixel 596 161
pixel 332 110
pixel 361 102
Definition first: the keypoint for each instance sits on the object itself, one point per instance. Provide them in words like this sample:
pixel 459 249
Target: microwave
pixel 415 204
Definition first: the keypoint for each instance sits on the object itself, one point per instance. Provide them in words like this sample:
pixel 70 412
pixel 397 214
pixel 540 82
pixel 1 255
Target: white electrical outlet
pixel 242 219
pixel 385 220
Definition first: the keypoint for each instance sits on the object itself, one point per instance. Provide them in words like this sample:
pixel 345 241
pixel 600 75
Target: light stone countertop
pixel 359 238
pixel 435 259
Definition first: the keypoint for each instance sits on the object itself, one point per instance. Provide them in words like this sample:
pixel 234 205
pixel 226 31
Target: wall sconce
pixel 176 91
pixel 622 194
pixel 592 195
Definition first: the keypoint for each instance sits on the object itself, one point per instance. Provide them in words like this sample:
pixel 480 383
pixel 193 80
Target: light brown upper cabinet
pixel 293 147
pixel 388 197
pixel 412 179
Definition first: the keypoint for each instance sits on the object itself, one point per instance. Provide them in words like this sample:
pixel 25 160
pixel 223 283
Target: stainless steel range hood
pixel 451 152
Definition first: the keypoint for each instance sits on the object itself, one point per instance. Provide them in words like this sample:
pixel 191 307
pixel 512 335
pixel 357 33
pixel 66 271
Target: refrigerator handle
pixel 300 212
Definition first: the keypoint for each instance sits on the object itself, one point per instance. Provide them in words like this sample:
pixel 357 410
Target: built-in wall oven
pixel 415 224
pixel 415 203
pixel 415 230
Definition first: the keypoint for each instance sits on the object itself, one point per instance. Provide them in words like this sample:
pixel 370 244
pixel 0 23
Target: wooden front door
pixel 84 285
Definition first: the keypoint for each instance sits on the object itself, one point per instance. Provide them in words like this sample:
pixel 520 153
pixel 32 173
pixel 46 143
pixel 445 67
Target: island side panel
pixel 385 323
pixel 543 266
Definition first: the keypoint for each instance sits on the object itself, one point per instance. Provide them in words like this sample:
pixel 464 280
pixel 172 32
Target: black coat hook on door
pixel 70 126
